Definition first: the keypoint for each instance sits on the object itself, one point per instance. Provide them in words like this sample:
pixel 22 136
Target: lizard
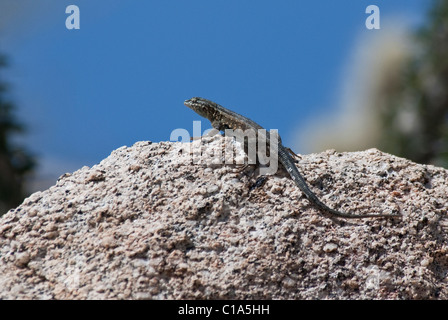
pixel 222 119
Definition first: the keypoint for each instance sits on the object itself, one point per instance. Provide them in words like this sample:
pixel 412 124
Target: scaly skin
pixel 222 119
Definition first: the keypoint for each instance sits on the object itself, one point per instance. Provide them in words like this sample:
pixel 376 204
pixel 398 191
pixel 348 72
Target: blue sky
pixel 124 75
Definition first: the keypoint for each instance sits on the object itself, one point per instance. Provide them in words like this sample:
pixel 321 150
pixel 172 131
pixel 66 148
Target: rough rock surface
pixel 148 223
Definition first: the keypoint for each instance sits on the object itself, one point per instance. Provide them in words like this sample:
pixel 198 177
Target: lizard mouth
pixel 199 105
pixel 190 102
pixel 194 103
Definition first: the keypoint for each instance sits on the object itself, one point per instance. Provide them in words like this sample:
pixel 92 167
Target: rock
pixel 148 222
pixel 330 247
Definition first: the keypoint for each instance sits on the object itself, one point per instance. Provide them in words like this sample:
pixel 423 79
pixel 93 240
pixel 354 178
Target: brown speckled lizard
pixel 222 119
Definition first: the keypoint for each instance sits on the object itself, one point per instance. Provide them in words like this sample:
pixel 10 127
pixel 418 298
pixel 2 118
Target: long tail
pixel 288 163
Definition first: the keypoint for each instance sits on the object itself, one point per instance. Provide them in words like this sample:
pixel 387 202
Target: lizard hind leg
pixel 252 172
pixel 293 154
pixel 241 167
pixel 259 183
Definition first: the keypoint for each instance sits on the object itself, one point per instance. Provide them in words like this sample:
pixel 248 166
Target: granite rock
pixel 151 222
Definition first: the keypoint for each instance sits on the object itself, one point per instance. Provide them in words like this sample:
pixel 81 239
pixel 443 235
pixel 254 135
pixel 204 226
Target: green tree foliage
pixel 415 115
pixel 15 161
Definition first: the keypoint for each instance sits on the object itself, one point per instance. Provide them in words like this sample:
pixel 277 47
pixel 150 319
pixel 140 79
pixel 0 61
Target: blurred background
pixel 310 69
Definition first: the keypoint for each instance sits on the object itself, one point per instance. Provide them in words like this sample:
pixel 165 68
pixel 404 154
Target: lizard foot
pixel 259 183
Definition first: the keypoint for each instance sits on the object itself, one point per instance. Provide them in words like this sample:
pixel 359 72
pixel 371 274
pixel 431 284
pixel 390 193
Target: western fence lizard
pixel 222 119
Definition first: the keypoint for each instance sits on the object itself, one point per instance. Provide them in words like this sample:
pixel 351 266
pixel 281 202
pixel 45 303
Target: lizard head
pixel 201 106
